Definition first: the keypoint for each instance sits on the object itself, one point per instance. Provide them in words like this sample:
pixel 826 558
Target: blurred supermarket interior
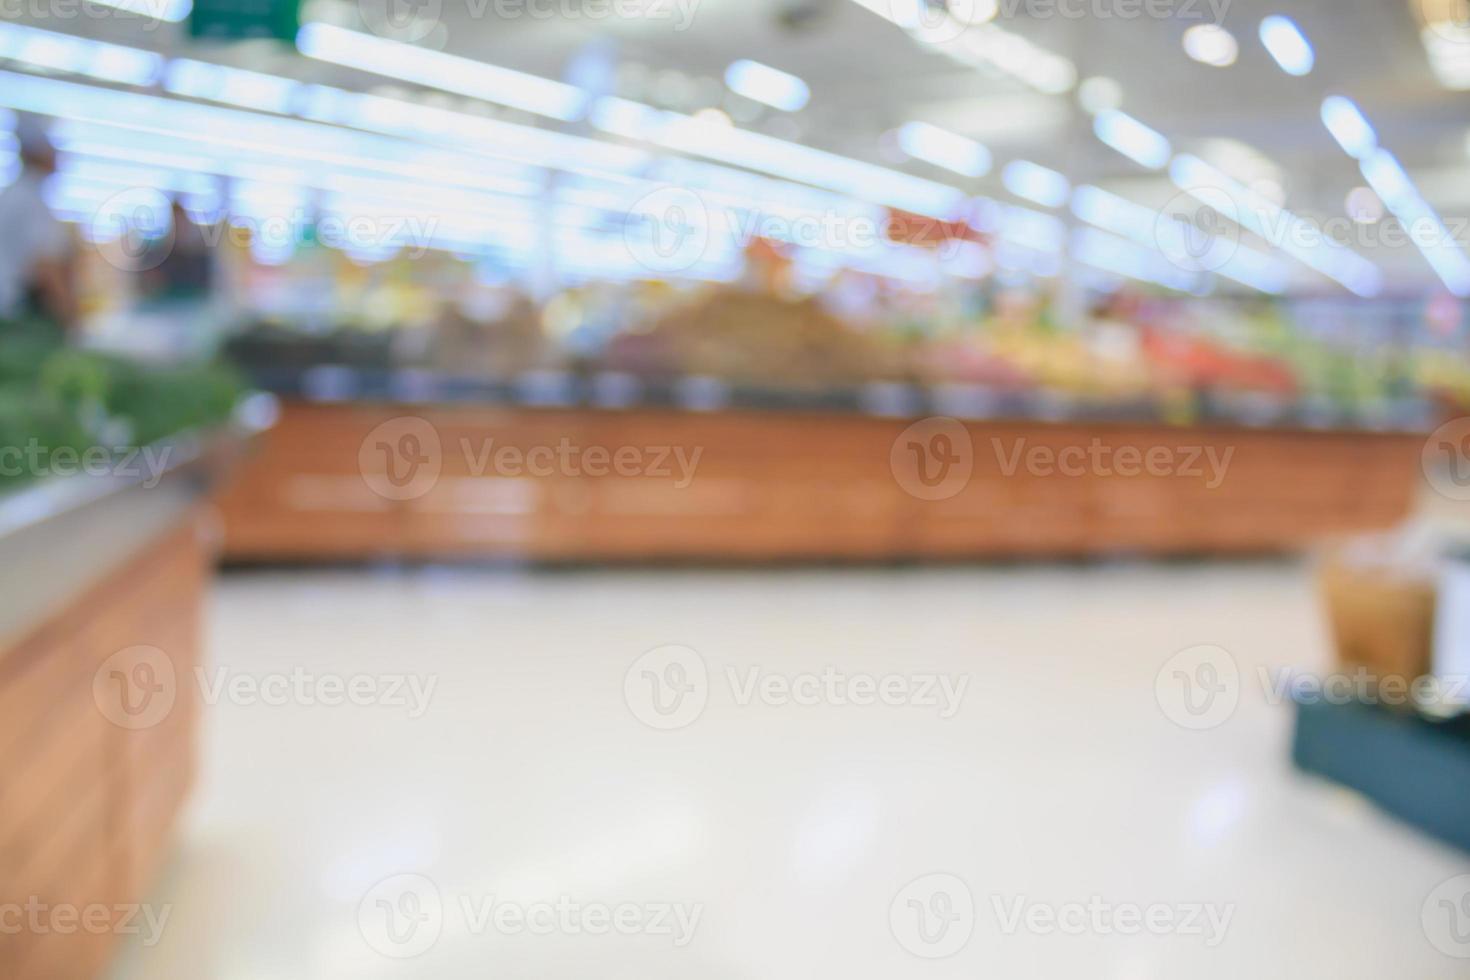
pixel 734 488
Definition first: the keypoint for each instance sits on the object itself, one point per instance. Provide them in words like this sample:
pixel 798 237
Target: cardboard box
pixel 1381 608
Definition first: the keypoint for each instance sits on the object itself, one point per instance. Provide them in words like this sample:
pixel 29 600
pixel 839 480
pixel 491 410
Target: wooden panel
pixel 86 803
pixel 770 486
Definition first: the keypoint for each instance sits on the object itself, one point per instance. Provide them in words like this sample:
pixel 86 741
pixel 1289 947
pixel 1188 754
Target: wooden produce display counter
pixel 100 629
pixel 358 480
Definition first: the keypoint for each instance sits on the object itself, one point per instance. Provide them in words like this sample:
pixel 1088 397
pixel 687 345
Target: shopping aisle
pixel 501 756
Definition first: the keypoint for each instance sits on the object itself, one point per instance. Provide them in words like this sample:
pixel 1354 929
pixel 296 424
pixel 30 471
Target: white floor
pixel 826 840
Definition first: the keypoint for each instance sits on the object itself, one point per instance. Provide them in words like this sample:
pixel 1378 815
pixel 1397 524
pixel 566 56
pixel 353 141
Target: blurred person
pixel 37 266
pixel 178 266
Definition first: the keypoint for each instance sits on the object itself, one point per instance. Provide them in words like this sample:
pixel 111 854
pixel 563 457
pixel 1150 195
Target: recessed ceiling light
pixel 1036 183
pixel 1288 45
pixel 776 88
pixel 1347 124
pixel 1133 139
pixel 1211 44
pixel 942 148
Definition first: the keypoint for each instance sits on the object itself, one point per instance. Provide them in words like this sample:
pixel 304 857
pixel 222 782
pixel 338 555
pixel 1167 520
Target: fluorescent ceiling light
pixel 1278 226
pixel 1426 229
pixel 92 151
pixel 1113 213
pixel 1034 230
pixel 461 131
pixel 235 86
pixel 270 150
pixel 1005 51
pixel 1034 233
pixel 272 162
pixel 1257 270
pixel 1211 44
pixel 1389 180
pixel 274 139
pixel 395 117
pixel 451 218
pixel 1146 227
pixel 855 178
pixel 942 148
pixel 528 144
pixel 79 56
pixel 962 30
pixel 1347 124
pixel 1036 183
pixel 1121 257
pixel 434 69
pixel 753 194
pixel 1132 138
pixel 792 161
pixel 934 22
pixel 1288 45
pixel 771 86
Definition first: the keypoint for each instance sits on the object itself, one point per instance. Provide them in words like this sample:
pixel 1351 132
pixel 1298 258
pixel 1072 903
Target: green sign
pixel 241 20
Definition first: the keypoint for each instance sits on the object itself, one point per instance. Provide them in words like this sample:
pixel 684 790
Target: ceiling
pixel 868 76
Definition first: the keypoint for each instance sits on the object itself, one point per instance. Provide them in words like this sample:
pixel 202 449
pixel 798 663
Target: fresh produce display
pixel 57 402
pixel 1145 349
pixel 1128 347
pixel 513 341
pixel 755 338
